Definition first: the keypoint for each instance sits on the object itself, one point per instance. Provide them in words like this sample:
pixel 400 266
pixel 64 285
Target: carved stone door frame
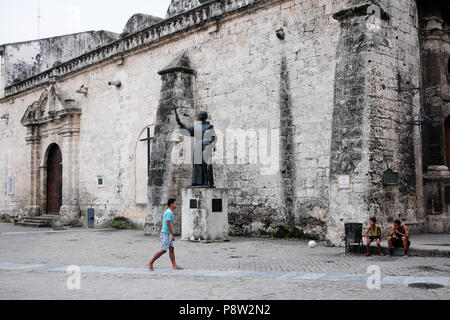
pixel 53 120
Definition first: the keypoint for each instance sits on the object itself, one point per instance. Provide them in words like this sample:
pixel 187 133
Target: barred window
pixel 10 186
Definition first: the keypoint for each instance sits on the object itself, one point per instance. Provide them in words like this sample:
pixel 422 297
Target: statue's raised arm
pixel 187 131
pixel 205 140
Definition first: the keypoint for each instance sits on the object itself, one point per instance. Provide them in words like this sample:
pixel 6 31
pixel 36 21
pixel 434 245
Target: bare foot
pixel 381 254
pixel 367 254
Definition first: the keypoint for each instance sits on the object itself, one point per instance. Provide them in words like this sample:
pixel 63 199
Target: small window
pixel 217 205
pixel 193 204
pixel 11 186
pixel 100 181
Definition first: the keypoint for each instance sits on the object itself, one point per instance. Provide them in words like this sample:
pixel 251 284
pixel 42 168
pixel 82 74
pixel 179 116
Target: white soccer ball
pixel 312 244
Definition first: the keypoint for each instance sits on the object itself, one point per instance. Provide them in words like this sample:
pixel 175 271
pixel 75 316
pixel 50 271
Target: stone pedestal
pixel 205 214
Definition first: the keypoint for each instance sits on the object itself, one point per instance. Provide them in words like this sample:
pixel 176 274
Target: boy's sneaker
pixel 147 267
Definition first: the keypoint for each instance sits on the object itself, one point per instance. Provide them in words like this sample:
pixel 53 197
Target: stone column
pixel 34 143
pixel 166 178
pixel 438 218
pixel 435 51
pixel 372 108
pixel 70 210
pixel 434 59
pixel 352 174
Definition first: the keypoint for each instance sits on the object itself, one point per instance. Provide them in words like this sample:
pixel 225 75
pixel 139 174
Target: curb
pixel 412 252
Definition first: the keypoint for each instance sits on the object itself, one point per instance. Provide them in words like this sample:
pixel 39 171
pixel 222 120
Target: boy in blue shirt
pixel 167 238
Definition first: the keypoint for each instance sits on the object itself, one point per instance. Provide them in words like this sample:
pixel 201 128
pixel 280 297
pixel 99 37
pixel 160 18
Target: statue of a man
pixel 205 140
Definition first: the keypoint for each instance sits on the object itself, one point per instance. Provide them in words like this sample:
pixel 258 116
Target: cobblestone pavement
pixel 281 265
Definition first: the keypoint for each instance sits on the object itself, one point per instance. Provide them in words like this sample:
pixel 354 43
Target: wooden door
pixel 447 158
pixel 54 181
pixel 447 142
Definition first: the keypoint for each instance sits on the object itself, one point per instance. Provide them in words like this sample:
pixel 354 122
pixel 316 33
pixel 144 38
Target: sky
pixel 19 18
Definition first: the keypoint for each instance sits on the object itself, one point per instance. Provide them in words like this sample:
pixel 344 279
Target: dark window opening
pixel 193 204
pixel 448 69
pixel 217 205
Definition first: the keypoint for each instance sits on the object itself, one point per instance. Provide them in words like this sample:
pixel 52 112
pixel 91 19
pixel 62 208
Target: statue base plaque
pixel 205 214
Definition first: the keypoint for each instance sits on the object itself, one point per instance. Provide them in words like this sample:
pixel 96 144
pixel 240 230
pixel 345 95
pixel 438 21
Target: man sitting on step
pixel 399 238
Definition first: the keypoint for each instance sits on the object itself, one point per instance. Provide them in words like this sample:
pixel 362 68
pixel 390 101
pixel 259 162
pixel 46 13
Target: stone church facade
pixel 352 97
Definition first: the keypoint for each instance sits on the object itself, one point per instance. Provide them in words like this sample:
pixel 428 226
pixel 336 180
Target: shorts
pixel 374 238
pixel 166 241
pixel 398 243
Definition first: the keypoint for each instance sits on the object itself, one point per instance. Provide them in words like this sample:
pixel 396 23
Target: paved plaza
pixel 34 264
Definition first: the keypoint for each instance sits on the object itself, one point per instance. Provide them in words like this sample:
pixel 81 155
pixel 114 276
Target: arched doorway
pixel 447 141
pixel 54 180
pixel 447 157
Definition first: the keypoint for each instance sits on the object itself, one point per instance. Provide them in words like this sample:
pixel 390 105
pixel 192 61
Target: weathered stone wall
pixel 285 87
pixel 244 89
pixel 256 85
pixel 372 133
pixel 167 178
pixel 394 143
pixel 435 49
pixel 14 156
pixel 25 59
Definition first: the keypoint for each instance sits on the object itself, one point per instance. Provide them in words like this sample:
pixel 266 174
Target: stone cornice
pixel 183 22
pixel 60 114
pixel 180 64
pixel 363 8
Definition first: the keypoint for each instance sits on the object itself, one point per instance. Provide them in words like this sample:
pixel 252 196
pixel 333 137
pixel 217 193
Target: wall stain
pixel 287 145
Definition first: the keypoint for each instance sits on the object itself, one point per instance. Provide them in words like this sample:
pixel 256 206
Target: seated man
pixel 373 234
pixel 399 237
